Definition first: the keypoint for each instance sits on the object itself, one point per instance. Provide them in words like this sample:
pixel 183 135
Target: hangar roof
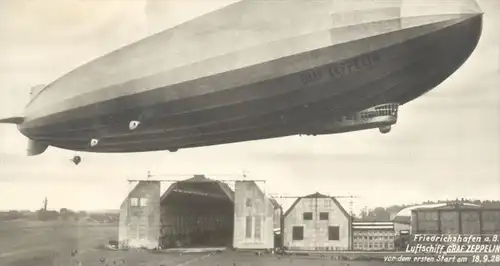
pixel 201 186
pixel 404 216
pixel 318 195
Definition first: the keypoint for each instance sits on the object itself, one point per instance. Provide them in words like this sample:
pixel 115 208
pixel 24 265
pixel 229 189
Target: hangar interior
pixel 197 212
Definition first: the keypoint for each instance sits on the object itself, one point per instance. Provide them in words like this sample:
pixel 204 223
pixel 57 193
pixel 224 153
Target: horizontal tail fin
pixel 12 120
pixel 36 147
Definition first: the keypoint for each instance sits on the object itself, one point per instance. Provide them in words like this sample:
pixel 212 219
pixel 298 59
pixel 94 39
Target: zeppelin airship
pixel 256 70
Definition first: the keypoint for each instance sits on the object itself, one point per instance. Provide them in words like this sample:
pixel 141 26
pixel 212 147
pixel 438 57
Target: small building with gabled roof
pixel 317 222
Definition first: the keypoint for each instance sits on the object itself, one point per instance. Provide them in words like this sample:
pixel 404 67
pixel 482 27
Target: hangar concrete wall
pixel 139 224
pixel 254 217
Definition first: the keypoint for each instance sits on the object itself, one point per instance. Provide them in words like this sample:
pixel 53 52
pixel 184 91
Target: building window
pixel 333 233
pixel 248 232
pixel 249 203
pixel 134 202
pixel 323 216
pixel 143 202
pixel 307 215
pixel 298 233
pixel 258 223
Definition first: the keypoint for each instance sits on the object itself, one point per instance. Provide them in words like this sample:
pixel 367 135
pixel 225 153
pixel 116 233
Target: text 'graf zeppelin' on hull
pixel 344 68
pixel 226 77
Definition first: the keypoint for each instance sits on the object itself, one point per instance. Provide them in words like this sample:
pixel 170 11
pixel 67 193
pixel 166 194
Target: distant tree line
pixel 384 214
pixel 62 214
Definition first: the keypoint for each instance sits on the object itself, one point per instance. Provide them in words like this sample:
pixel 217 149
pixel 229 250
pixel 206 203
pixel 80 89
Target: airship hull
pixel 267 90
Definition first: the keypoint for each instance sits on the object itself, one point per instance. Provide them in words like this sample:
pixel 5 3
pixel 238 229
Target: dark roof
pixel 318 195
pixel 358 221
pixel 275 203
pixel 198 178
pixel 402 219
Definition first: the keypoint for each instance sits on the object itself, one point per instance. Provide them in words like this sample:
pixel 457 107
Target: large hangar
pixel 456 218
pixel 198 212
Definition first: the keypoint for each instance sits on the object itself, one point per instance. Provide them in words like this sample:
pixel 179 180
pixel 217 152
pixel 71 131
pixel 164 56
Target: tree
pixel 364 213
pixel 66 213
pixel 380 214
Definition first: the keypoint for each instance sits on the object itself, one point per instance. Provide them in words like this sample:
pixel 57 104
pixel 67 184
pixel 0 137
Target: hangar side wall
pixel 254 217
pixel 122 224
pixel 455 221
pixel 139 224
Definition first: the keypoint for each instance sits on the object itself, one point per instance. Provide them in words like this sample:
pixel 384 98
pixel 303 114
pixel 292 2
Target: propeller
pixel 76 159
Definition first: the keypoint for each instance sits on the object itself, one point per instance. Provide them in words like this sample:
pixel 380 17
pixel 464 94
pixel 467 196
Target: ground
pixel 35 243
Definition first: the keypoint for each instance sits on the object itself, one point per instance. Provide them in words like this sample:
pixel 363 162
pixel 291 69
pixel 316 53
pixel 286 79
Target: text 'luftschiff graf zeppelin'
pixel 450 248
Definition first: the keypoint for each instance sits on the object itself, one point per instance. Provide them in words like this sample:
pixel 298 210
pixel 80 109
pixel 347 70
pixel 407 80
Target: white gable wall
pixel 316 230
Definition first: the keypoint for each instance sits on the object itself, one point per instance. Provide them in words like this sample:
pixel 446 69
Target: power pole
pixel 45 202
pixel 351 203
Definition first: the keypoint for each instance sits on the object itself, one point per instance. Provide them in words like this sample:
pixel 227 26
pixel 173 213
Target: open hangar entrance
pixel 199 212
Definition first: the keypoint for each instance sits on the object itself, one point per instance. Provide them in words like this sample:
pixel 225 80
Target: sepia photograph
pixel 249 132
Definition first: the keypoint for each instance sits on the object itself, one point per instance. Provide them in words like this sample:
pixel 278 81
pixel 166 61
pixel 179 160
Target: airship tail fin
pixel 12 120
pixel 35 90
pixel 36 147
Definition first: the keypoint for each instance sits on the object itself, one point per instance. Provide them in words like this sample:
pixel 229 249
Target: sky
pixel 446 144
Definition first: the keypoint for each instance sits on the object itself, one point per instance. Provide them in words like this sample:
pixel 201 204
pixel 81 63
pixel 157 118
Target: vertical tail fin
pixel 36 147
pixel 35 90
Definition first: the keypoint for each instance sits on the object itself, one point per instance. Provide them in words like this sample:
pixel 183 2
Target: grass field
pixel 34 243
